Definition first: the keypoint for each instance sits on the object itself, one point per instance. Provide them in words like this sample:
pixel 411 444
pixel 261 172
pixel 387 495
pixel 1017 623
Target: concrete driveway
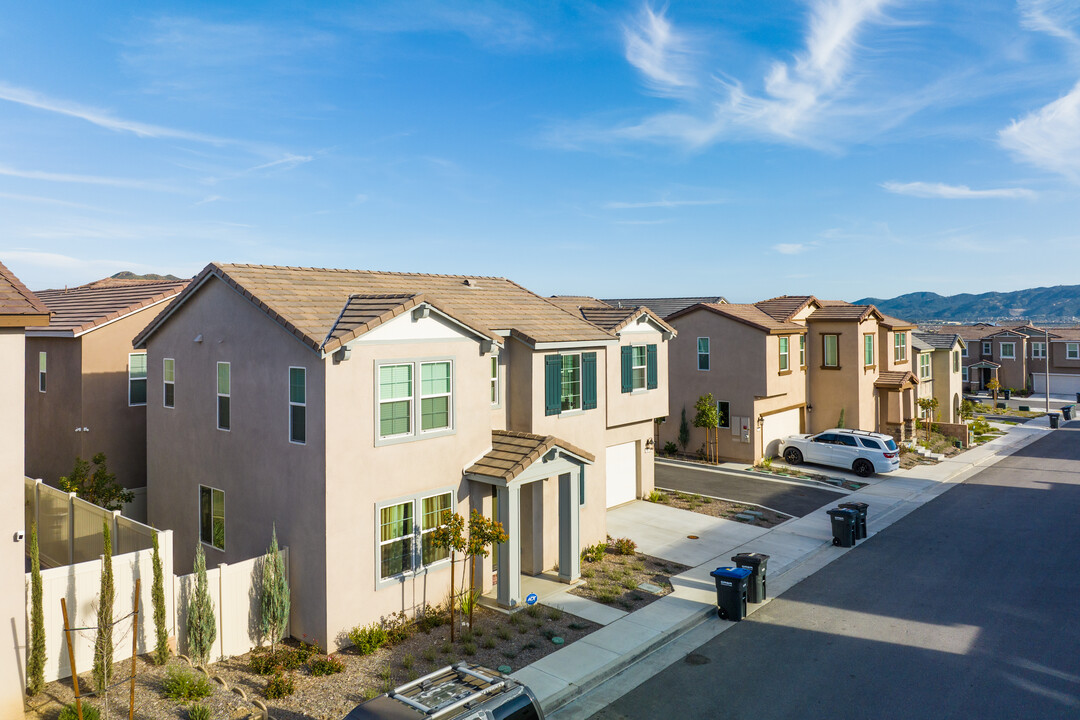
pixel 788 497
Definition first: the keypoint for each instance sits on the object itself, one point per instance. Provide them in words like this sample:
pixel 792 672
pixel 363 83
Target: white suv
pixel 863 452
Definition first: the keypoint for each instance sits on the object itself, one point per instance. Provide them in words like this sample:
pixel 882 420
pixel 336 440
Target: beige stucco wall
pixel 946 385
pixel 849 387
pixel 633 407
pixel 12 553
pixel 52 416
pixel 267 480
pixel 1013 372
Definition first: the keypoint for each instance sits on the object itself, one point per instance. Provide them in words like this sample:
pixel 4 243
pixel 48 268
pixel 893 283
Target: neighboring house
pixel 1017 357
pixel 86 388
pixel 350 408
pixel 938 365
pixel 19 309
pixel 664 307
pixel 787 365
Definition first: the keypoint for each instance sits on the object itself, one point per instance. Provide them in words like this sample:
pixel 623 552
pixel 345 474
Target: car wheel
pixel 863 468
pixel 792 456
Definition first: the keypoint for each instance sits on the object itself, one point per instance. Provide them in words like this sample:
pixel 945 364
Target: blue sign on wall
pixel 531 599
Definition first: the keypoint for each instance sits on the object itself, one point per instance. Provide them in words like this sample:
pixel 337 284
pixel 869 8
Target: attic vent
pixel 469 282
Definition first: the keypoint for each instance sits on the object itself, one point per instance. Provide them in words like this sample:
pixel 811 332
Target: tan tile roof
pixel 573 302
pixel 80 309
pixel 748 315
pixel 971 332
pixel 896 379
pixel 16 300
pixel 894 323
pixel 363 313
pixel 604 316
pixel 309 301
pixel 665 307
pixel 512 452
pixel 836 311
pixel 785 307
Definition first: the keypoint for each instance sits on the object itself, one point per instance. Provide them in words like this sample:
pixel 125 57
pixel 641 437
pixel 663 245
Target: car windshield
pixel 891 444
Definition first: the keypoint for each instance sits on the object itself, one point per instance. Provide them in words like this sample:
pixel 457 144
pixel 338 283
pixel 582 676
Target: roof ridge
pixel 26 293
pixel 358 271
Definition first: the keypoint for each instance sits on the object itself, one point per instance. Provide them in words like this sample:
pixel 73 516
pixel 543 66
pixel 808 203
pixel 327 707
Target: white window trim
pixel 1072 351
pixel 219 394
pixel 707 354
pixel 288 397
pixel 873 350
pixel 785 355
pixel 495 381
pixel 581 385
pixel 928 366
pixel 43 375
pixel 899 347
pixel 415 433
pixel 964 374
pixel 1038 345
pixel 988 348
pixel 802 350
pixel 211 545
pixel 418 568
pixel 644 368
pixel 165 384
pixel 964 351
pixel 145 379
pixel 1012 351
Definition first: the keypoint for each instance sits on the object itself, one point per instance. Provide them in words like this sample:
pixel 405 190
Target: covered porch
pixel 981 373
pixel 897 403
pixel 537 485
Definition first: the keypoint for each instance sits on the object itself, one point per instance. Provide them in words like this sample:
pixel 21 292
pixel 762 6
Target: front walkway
pixel 797 549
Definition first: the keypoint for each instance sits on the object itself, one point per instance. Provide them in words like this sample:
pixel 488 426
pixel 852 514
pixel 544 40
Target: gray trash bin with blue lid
pixel 860 519
pixel 844 521
pixel 757 562
pixel 731 592
pixel 1066 412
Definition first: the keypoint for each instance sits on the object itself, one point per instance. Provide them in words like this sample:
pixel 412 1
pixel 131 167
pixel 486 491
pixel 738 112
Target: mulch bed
pixel 613 579
pixel 718 508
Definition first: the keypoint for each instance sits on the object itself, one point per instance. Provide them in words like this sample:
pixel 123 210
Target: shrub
pixel 670 449
pixel 656 497
pixel 35 664
pixel 594 553
pixel 555 614
pixel 279 686
pixel 274 603
pixel 198 712
pixel 185 685
pixel 267 662
pixel 489 643
pixel 368 638
pixel 304 651
pixel 328 665
pixel 407 661
pixel 625 546
pixel 503 633
pixel 398 627
pixel 201 626
pixel 469 648
pixel 431 618
pixel 431 654
pixel 157 599
pixel 533 611
pixel 103 644
pixel 89 712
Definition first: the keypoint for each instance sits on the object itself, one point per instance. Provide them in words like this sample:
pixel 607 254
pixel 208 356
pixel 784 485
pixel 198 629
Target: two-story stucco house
pixel 1017 356
pixel 19 309
pixel 938 362
pixel 351 408
pixel 86 387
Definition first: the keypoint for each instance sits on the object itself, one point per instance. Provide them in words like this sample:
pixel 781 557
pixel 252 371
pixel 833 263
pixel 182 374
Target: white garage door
pixel 621 473
pixel 779 426
pixel 1059 384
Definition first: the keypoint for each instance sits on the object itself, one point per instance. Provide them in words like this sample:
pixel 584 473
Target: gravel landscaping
pixel 617 575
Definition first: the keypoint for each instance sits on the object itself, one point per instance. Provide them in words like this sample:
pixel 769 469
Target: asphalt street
pixel 966 608
pixel 790 498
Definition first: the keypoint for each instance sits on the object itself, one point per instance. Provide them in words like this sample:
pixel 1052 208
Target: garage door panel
pixel 621 473
pixel 778 426
pixel 1060 384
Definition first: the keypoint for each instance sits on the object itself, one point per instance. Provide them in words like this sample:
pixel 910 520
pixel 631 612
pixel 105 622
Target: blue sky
pixel 843 148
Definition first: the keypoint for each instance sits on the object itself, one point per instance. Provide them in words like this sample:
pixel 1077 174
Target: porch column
pixel 569 522
pixel 509 588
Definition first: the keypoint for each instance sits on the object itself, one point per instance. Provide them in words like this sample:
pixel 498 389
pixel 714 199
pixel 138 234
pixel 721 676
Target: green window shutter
pixel 627 368
pixel 552 384
pixel 650 359
pixel 588 381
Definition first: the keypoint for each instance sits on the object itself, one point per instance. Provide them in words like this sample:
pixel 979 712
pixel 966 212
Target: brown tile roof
pixel 748 315
pixel 1071 334
pixel 605 316
pixel 363 313
pixel 80 309
pixel 896 379
pixel 22 307
pixel 833 311
pixel 573 302
pixel 309 301
pixel 895 323
pixel 512 452
pixel 665 307
pixel 971 332
pixel 785 307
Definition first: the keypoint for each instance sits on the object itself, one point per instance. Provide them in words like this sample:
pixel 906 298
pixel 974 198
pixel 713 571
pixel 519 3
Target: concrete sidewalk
pixel 797 549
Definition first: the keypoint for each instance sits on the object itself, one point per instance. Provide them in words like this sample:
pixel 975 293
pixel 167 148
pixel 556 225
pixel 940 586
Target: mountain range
pixel 1059 304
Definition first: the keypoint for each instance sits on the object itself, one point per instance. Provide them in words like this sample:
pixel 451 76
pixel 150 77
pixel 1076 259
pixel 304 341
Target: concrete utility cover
pixel 651 587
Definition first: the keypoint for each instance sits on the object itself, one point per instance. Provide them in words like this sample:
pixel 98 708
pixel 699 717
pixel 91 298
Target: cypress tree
pixel 275 594
pixel 201 626
pixel 103 645
pixel 157 598
pixel 35 666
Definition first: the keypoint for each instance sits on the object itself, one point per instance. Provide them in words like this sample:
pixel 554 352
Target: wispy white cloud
pixel 37 199
pixel 661 204
pixel 101 118
pixel 1058 18
pixel 485 23
pixel 286 163
pixel 792 248
pixel 956 192
pixel 208 199
pixel 128 183
pixel 659 52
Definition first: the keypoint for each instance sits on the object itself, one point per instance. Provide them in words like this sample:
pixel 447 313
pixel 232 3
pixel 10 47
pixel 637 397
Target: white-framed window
pixel 964 373
pixel 639 366
pixel 224 396
pixel 212 517
pixel 924 366
pixel 830 356
pixel 987 347
pixel 413 409
pixel 703 353
pixel 298 405
pixel 494 380
pixel 405 528
pixel 868 349
pixel 784 342
pixel 42 363
pixel 963 351
pixel 1008 351
pixel 1038 350
pixel 802 351
pixel 168 382
pixel 900 347
pixel 570 378
pixel 723 414
pixel 1072 351
pixel 137 379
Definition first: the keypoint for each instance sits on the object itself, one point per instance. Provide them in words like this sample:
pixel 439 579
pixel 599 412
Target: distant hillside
pixel 1060 303
pixel 128 275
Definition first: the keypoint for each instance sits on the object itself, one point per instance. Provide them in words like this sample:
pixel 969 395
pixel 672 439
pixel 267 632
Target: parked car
pixel 460 692
pixel 863 452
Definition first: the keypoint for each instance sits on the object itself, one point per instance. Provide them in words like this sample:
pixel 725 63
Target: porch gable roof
pixel 896 380
pixel 513 452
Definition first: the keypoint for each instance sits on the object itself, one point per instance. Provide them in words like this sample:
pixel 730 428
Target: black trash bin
pixel 757 562
pixel 1053 421
pixel 1078 397
pixel 843 526
pixel 731 592
pixel 860 519
pixel 1008 394
pixel 1066 413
